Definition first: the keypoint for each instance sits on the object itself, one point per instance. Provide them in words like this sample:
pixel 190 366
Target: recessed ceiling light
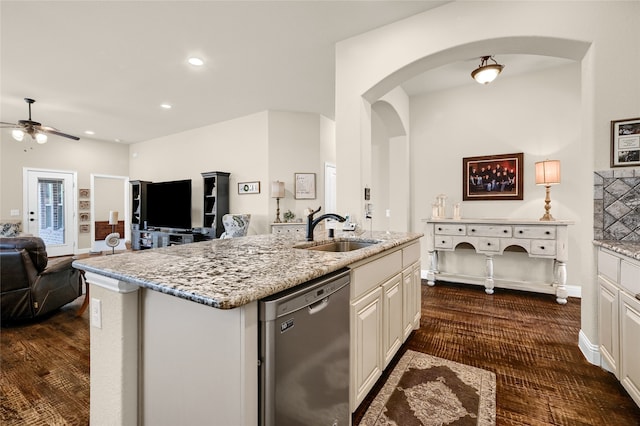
pixel 196 62
pixel 166 106
pixel 89 132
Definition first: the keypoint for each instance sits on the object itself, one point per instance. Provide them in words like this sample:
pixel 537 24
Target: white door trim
pixel 127 211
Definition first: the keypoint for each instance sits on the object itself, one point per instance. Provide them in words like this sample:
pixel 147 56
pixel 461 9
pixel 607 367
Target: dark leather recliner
pixel 28 289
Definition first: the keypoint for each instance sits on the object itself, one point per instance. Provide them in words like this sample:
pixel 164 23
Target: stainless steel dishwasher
pixel 304 354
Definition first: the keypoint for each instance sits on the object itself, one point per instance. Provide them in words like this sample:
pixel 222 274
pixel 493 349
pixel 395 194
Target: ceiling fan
pixel 37 131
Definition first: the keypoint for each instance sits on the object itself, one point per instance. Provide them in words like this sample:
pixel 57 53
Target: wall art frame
pixel 493 177
pixel 625 142
pixel 304 186
pixel 249 187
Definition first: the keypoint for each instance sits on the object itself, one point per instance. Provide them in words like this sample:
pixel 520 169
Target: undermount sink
pixel 339 246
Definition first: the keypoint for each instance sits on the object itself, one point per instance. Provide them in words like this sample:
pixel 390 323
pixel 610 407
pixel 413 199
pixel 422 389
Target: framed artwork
pixel 492 177
pixel 84 228
pixel 305 186
pixel 248 187
pixel 84 204
pixel 84 217
pixel 84 192
pixel 625 142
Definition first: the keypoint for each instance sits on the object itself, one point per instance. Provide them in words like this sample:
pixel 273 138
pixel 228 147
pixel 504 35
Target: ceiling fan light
pixel 17 134
pixel 485 74
pixel 41 138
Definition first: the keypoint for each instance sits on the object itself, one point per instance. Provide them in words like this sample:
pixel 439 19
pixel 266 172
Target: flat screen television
pixel 169 204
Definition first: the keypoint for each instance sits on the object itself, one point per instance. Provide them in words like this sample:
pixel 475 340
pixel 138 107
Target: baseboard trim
pixel 590 351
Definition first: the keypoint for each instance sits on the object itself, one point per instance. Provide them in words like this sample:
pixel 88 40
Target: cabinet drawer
pixel 489 231
pixel 608 265
pixel 538 232
pixel 410 255
pixel 372 274
pixel 543 248
pixel 630 277
pixel 488 245
pixel 448 229
pixel 443 242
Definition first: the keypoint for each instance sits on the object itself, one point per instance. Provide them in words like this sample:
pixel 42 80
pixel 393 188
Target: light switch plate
pixel 15 212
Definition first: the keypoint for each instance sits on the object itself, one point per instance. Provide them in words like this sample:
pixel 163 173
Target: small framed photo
pixel 84 217
pixel 84 204
pixel 84 192
pixel 492 177
pixel 84 228
pixel 305 186
pixel 625 142
pixel 249 187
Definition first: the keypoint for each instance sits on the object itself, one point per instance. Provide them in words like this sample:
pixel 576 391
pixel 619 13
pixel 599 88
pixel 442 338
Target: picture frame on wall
pixel 625 142
pixel 493 177
pixel 304 186
pixel 248 187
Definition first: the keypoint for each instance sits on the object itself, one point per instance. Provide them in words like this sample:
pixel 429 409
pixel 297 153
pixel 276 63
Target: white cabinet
pixel 385 307
pixel 630 345
pixel 392 318
pixel 289 228
pixel 619 318
pixel 366 342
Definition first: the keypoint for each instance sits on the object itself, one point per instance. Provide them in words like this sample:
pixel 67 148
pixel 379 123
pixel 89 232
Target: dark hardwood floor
pixel 527 339
pixel 531 344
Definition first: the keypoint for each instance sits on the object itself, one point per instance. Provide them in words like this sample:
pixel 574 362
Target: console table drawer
pixel 488 245
pixel 539 232
pixel 449 229
pixel 443 242
pixel 489 231
pixel 543 248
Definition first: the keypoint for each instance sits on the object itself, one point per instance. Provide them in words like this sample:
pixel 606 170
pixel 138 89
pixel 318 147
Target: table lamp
pixel 547 174
pixel 277 192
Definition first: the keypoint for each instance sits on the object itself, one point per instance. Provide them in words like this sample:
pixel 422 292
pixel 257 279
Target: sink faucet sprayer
pixel 312 223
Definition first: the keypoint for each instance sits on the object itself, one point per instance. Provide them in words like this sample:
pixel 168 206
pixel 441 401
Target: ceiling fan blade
pixel 3 124
pixel 55 132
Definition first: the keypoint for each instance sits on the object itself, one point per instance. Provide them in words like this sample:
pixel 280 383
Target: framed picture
pixel 492 177
pixel 625 142
pixel 84 228
pixel 248 187
pixel 84 192
pixel 84 217
pixel 305 186
pixel 84 204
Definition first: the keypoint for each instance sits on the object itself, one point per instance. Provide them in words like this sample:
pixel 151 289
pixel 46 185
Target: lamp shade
pixel 277 189
pixel 486 73
pixel 548 172
pixel 113 217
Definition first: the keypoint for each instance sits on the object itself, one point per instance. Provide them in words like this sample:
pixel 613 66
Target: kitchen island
pixel 174 331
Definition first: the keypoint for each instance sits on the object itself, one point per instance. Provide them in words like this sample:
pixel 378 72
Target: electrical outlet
pixel 96 313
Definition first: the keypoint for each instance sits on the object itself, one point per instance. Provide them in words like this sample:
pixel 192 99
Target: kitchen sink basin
pixel 340 246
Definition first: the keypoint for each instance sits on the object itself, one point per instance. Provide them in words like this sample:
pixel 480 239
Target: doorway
pixel 109 194
pixel 49 209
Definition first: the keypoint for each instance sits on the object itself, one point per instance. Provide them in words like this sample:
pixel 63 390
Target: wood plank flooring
pixel 531 344
pixel 527 339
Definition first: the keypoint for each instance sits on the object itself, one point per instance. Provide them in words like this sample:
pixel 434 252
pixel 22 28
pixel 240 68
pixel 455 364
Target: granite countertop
pixel 232 272
pixel 627 248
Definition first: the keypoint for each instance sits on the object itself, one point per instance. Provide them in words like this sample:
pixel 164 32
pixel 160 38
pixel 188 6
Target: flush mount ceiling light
pixel 196 62
pixel 486 73
pixel 166 106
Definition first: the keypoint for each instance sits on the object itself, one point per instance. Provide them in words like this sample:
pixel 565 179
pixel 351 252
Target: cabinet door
pixel 630 345
pixel 409 296
pixel 608 324
pixel 392 317
pixel 366 344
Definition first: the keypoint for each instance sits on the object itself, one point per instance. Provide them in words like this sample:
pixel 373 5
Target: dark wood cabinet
pixel 138 203
pixel 216 202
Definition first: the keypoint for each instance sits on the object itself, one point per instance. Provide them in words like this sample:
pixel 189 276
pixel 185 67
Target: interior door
pixel 49 209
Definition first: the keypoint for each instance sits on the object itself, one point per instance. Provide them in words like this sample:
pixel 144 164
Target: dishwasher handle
pixel 314 308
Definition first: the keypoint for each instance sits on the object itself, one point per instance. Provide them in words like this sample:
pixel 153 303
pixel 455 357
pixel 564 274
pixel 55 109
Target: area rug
pixel 426 390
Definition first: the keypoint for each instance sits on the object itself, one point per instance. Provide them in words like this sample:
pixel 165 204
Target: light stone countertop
pixel 627 248
pixel 232 272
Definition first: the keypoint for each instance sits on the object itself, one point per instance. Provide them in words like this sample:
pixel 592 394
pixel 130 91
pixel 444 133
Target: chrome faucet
pixel 312 223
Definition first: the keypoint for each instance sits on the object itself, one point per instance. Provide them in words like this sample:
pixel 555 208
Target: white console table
pixel 491 237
